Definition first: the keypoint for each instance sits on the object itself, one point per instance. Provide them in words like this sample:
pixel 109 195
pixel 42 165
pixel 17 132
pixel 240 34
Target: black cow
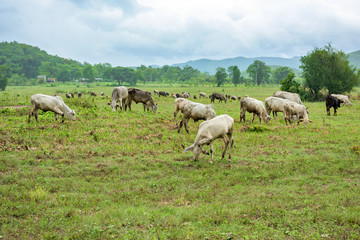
pixel 219 96
pixel 332 102
pixel 144 97
pixel 165 94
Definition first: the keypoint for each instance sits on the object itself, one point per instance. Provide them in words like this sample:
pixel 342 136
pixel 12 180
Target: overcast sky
pixel 145 32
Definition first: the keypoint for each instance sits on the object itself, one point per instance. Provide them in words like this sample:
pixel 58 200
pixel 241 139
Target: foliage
pixel 328 68
pixel 220 76
pixel 280 74
pixel 289 84
pixel 234 75
pixel 4 74
pixel 259 72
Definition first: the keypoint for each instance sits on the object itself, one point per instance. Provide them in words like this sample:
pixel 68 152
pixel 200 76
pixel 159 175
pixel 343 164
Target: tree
pixel 88 73
pixel 220 76
pixel 259 72
pixel 234 74
pixel 328 68
pixel 280 74
pixel 4 74
pixel 289 84
pixel 64 75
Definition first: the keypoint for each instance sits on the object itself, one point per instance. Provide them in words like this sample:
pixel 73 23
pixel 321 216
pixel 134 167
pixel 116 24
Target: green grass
pixel 112 175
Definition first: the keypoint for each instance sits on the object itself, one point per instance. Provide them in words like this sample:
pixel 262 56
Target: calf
pixel 292 109
pixel 196 111
pixel 144 97
pixel 332 102
pixel 218 127
pixel 219 96
pixel 255 107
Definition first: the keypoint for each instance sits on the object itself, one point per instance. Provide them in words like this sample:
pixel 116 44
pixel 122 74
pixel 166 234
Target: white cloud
pixel 147 32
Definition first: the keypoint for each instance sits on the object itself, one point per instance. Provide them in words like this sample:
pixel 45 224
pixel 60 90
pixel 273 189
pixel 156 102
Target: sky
pixel 164 32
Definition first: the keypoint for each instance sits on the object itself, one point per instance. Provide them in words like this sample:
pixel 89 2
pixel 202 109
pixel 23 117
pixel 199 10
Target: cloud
pixel 131 32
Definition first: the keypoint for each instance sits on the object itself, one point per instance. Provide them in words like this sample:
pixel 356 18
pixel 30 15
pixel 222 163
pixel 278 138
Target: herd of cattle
pixel 213 127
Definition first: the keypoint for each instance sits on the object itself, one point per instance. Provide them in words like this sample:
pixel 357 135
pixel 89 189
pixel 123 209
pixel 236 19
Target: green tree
pixel 4 74
pixel 280 74
pixel 234 74
pixel 328 68
pixel 259 72
pixel 88 73
pixel 64 75
pixel 289 84
pixel 220 76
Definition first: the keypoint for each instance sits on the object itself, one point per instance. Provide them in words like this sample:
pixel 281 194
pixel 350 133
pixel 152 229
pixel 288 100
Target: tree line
pixel 323 68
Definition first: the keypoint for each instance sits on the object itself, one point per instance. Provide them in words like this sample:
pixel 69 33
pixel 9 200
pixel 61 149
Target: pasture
pixel 123 175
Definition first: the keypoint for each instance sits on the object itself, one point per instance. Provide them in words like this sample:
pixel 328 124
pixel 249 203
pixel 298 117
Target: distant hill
pixel 208 65
pixel 354 58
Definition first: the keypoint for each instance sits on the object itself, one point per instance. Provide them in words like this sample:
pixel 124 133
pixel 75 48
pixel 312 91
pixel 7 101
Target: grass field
pixel 123 175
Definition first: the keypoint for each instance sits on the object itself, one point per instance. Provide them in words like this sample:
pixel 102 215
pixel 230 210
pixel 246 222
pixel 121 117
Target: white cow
pixel 194 110
pixel 275 104
pixel 218 127
pixel 294 97
pixel 119 95
pixel 344 98
pixel 50 103
pixel 255 107
pixel 291 109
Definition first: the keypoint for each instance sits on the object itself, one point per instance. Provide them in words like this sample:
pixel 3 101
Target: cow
pixel 93 94
pixel 255 107
pixel 219 96
pixel 165 94
pixel 345 100
pixel 119 95
pixel 218 127
pixel 50 103
pixel 196 111
pixel 138 95
pixel 292 109
pixel 202 94
pixel 294 97
pixel 332 102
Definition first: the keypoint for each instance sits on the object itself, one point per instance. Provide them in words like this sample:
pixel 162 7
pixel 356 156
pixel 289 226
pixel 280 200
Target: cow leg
pixel 242 116
pixel 253 117
pixel 335 111
pixel 231 145
pixel 36 115
pixel 186 120
pixel 226 142
pixel 55 116
pixel 180 125
pixel 328 111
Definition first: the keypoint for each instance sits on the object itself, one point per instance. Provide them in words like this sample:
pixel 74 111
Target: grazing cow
pixel 186 94
pixel 202 94
pixel 332 102
pixel 178 95
pixel 196 111
pixel 144 97
pixel 218 127
pixel 162 93
pixel 345 100
pixel 233 98
pixel 50 103
pixel 173 95
pixel 119 95
pixel 93 94
pixel 275 104
pixel 194 97
pixel 292 109
pixel 156 92
pixel 79 94
pixel 294 97
pixel 102 94
pixel 255 107
pixel 219 96
pixel 68 95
